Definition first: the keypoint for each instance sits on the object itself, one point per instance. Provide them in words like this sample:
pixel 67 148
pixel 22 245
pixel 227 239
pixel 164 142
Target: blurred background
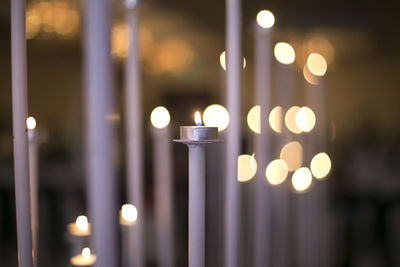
pixel 180 46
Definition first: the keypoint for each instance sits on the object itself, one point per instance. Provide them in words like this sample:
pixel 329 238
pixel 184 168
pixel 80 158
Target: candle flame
pixel 86 253
pixel 197 118
pixel 31 123
pixel 129 213
pixel 82 223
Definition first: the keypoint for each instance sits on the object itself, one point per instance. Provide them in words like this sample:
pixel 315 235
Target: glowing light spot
pixel 31 123
pixel 275 119
pixel 301 179
pixel 33 22
pixel 247 167
pixel 284 53
pixel 120 40
pixel 222 60
pixel 216 116
pixel 265 19
pixel 129 213
pixel 82 223
pixel 160 117
pixel 305 119
pixel 320 165
pixel 292 154
pixel 86 253
pixel 254 120
pixel 310 78
pixel 290 120
pixel 197 118
pixel 317 64
pixel 276 172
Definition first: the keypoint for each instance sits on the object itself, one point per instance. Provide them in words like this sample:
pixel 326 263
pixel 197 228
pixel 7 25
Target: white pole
pixel 262 198
pixel 19 109
pixel 163 196
pixel 99 101
pixel 234 72
pixel 134 157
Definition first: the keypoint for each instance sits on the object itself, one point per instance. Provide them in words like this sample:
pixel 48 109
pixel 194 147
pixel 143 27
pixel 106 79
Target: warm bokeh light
pixel 301 179
pixel 265 19
pixel 31 123
pixel 320 165
pixel 317 64
pixel 120 40
pixel 247 167
pixel 86 253
pixel 305 119
pixel 130 3
pixel 33 22
pixel 160 117
pixel 290 120
pixel 216 116
pixel 129 213
pixel 322 46
pixel 275 119
pixel 197 119
pixel 284 53
pixel 276 172
pixel 254 120
pixel 82 223
pixel 292 154
pixel 310 78
pixel 222 60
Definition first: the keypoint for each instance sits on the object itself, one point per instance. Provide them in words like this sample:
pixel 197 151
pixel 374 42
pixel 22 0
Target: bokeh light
pixel 292 154
pixel 317 64
pixel 320 165
pixel 129 213
pixel 276 172
pixel 301 179
pixel 222 60
pixel 160 117
pixel 290 120
pixel 284 53
pixel 310 78
pixel 31 123
pixel 275 119
pixel 120 40
pixel 247 167
pixel 305 119
pixel 82 223
pixel 265 19
pixel 216 116
pixel 253 119
pixel 86 253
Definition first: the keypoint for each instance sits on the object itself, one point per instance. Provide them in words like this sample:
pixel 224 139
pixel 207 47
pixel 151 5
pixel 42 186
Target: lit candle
pixel 262 200
pixel 134 140
pixel 19 113
pixel 128 216
pixel 196 137
pixel 33 182
pixel 81 226
pixel 86 258
pixel 160 119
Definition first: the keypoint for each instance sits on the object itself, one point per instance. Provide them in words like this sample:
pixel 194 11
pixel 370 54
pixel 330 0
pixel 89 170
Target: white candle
pixel 86 258
pixel 162 167
pixel 19 110
pixel 196 137
pixel 262 198
pixel 99 105
pixel 234 81
pixel 133 111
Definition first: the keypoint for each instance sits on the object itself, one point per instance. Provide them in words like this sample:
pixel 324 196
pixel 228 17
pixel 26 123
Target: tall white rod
pixel 234 72
pixel 134 157
pixel 99 104
pixel 262 203
pixel 163 196
pixel 33 180
pixel 197 229
pixel 19 109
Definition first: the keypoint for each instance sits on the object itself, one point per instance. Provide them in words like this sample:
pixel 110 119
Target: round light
pixel 292 154
pixel 320 165
pixel 305 119
pixel 82 223
pixel 86 253
pixel 284 53
pixel 310 78
pixel 31 123
pixel 290 120
pixel 265 19
pixel 247 167
pixel 275 119
pixel 216 116
pixel 222 60
pixel 276 172
pixel 160 117
pixel 129 213
pixel 253 119
pixel 317 64
pixel 301 179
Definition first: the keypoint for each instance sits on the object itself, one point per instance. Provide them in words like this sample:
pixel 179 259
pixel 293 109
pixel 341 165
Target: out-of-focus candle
pixel 128 215
pixel 86 258
pixel 81 227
